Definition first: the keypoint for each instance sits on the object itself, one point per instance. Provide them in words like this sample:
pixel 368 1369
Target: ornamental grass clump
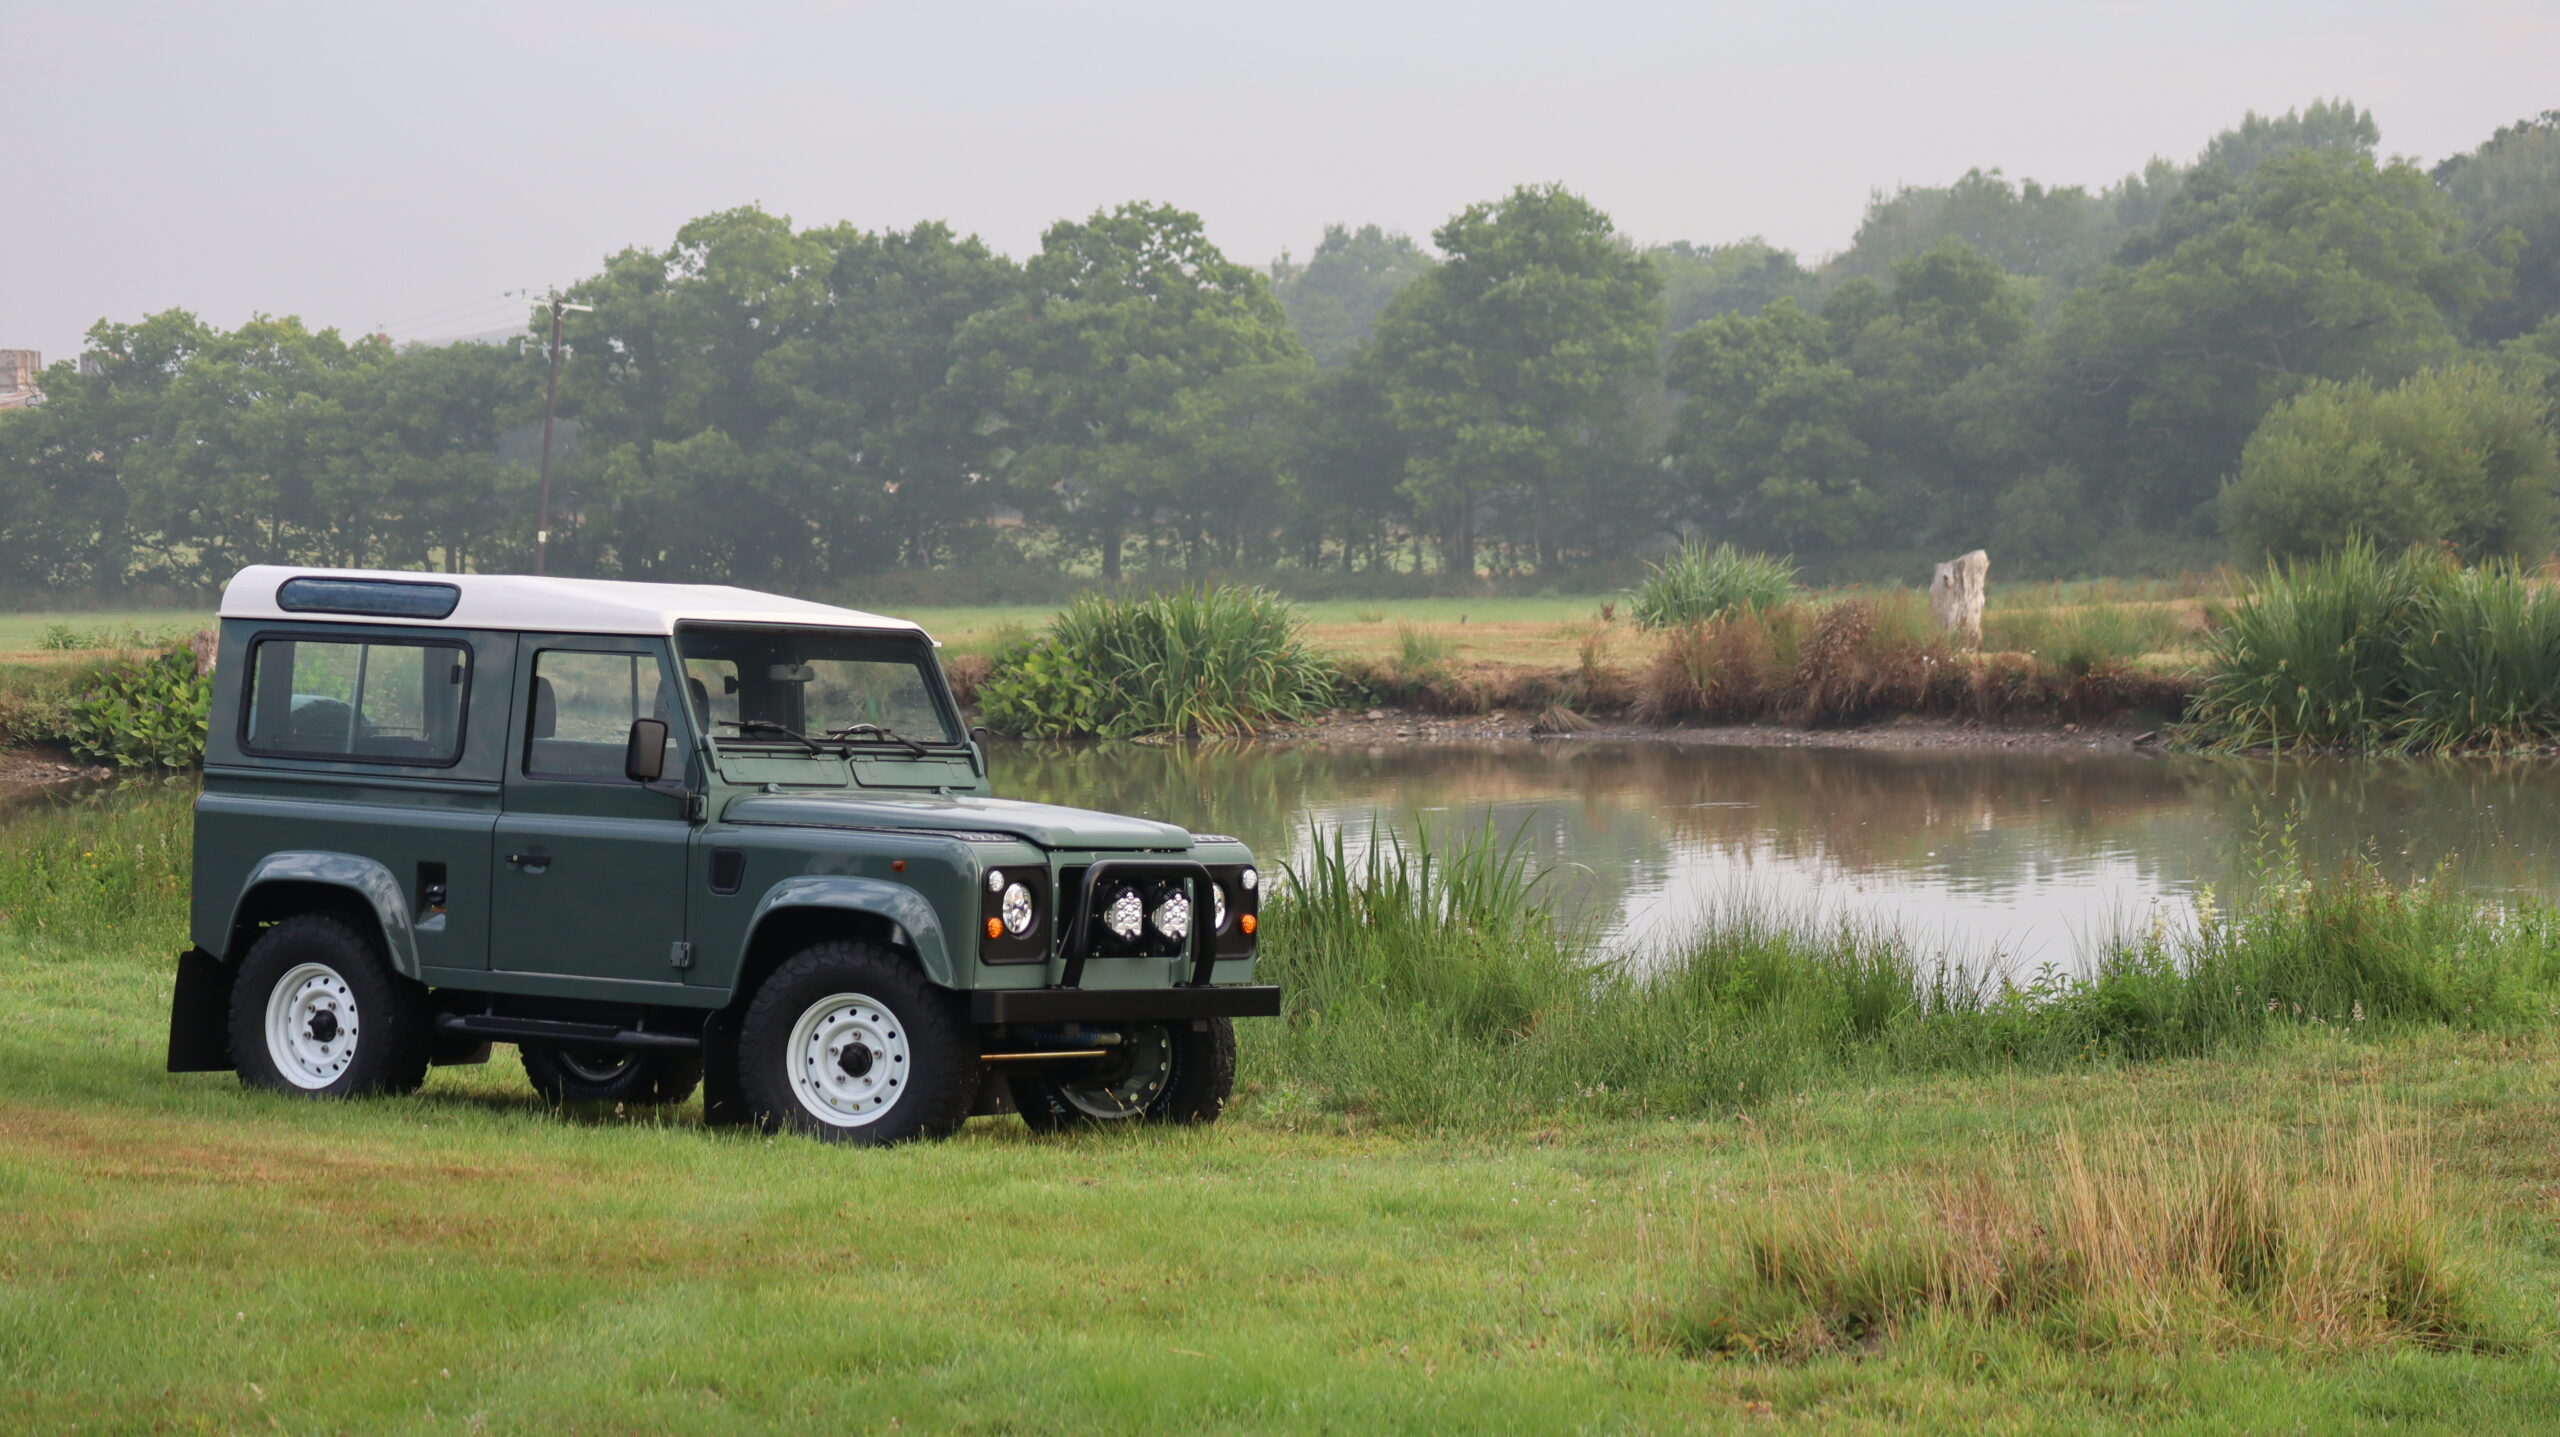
pixel 1698 584
pixel 2219 1234
pixel 2411 653
pixel 1195 662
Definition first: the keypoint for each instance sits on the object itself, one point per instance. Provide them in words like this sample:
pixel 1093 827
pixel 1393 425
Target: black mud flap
pixel 200 1015
pixel 724 1105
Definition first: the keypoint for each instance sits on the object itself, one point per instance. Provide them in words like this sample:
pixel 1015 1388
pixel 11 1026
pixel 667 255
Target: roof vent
pixel 379 598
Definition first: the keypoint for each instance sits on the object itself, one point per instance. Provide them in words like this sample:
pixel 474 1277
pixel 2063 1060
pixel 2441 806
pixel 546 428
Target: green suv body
pixel 667 835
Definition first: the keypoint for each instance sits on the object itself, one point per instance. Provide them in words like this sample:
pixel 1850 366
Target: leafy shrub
pixel 1203 661
pixel 2408 653
pixel 1698 584
pixel 2459 456
pixel 145 713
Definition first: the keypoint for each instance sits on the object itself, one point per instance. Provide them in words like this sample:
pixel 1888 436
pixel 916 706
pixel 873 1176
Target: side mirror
pixel 644 757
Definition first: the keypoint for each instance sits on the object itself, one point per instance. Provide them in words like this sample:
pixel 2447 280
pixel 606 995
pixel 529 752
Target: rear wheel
pixel 1160 1073
pixel 849 1043
pixel 610 1075
pixel 317 1011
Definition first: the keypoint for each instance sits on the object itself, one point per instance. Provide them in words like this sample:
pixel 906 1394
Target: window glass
pixel 377 701
pixel 814 681
pixel 583 705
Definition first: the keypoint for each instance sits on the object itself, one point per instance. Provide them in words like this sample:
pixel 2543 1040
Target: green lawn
pixel 177 1254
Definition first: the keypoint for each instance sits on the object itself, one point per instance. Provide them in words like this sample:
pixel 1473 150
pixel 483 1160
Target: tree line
pixel 2286 340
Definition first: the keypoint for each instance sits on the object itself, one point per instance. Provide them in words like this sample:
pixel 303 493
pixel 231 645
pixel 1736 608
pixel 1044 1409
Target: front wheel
pixel 848 1042
pixel 1160 1073
pixel 316 1011
pixel 610 1075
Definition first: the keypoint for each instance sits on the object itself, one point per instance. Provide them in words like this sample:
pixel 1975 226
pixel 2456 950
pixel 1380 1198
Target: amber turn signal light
pixel 995 928
pixel 1247 924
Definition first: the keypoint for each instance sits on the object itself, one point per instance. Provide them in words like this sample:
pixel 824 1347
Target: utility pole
pixel 550 418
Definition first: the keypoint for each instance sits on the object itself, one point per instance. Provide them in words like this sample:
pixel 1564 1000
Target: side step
pixel 561 1033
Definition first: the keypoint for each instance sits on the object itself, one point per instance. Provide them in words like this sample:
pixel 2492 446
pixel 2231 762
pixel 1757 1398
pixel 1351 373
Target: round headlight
pixel 1173 916
pixel 1126 914
pixel 995 880
pixel 1249 879
pixel 1017 910
pixel 1217 908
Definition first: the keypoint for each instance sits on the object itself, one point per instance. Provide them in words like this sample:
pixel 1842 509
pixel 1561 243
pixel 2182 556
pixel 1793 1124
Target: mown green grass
pixel 177 1254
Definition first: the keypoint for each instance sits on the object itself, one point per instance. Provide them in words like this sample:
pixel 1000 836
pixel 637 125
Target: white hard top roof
pixel 546 605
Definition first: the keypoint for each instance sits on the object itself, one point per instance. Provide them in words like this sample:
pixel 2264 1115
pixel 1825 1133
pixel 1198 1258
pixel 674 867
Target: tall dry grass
pixel 2213 1233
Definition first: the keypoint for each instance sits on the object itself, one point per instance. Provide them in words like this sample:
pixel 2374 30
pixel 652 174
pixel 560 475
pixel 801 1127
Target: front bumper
pixel 1113 1005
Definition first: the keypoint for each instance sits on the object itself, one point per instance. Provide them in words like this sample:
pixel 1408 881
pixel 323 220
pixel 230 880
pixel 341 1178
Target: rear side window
pixel 583 705
pixel 364 700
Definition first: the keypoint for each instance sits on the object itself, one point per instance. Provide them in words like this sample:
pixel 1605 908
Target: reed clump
pixel 2216 1234
pixel 1698 584
pixel 1433 986
pixel 1207 661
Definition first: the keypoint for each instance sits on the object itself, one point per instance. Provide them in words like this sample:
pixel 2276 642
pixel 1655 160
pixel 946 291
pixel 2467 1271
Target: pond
pixel 1990 857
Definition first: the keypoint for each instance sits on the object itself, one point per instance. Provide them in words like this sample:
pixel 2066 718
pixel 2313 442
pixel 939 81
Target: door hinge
pixel 679 955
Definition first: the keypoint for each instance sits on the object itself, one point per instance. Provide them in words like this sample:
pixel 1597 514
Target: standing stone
pixel 1955 594
pixel 203 643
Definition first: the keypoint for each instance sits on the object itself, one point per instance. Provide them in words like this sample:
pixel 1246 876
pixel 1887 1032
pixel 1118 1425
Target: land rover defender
pixel 663 836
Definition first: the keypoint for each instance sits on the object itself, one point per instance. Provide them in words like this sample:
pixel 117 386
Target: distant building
pixel 18 371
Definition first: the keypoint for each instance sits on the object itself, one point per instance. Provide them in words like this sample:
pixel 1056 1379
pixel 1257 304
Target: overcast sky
pixel 391 165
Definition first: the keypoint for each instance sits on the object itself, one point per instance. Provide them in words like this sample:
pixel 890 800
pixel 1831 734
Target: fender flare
pixel 363 877
pixel 894 902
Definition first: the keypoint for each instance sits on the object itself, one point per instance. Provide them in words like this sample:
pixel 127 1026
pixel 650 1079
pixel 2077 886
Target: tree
pixel 1507 367
pixel 1766 444
pixel 1744 277
pixel 1334 299
pixel 2508 191
pixel 2317 266
pixel 1119 315
pixel 2459 456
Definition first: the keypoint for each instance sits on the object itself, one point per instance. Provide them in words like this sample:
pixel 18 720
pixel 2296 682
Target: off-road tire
pixel 1200 1073
pixel 916 1060
pixel 342 968
pixel 607 1075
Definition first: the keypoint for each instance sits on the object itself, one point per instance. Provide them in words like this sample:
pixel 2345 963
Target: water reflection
pixel 2019 858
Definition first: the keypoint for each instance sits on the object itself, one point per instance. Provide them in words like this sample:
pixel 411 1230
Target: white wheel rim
pixel 849 1060
pixel 311 1025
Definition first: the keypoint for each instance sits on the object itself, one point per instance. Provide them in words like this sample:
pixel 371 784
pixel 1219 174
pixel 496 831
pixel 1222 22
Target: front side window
pixel 818 682
pixel 583 705
pixel 367 700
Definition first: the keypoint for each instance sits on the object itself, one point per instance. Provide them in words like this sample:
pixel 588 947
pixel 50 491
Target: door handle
pixel 532 862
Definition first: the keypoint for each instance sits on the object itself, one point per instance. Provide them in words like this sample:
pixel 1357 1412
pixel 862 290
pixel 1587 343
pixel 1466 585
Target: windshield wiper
pixel 748 726
pixel 876 732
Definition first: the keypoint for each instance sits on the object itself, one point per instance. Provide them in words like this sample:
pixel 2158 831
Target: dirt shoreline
pixel 1392 726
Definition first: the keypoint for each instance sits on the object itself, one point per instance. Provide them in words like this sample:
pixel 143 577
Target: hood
pixel 1045 824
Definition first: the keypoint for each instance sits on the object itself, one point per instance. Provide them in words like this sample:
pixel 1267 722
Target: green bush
pixel 145 713
pixel 2413 653
pixel 1197 662
pixel 2459 457
pixel 1698 584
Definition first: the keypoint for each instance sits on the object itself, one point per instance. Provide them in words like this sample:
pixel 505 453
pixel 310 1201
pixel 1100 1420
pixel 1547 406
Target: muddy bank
pixel 1393 726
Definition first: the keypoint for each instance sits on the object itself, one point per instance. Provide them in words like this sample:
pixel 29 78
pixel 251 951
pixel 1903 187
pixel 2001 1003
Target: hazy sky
pixel 392 165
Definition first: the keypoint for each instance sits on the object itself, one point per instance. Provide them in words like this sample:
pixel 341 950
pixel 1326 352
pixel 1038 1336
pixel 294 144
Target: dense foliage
pixel 2361 650
pixel 1698 583
pixel 144 712
pixel 2068 376
pixel 1212 661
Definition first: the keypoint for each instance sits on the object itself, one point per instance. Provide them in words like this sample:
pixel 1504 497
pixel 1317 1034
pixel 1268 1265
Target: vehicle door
pixel 589 872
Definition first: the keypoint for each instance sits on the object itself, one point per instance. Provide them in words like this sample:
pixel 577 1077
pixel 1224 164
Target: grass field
pixel 179 1255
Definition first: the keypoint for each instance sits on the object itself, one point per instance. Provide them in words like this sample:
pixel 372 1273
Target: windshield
pixel 762 685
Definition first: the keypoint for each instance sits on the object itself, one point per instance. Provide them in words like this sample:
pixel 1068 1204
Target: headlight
pixel 1017 910
pixel 1173 916
pixel 1126 914
pixel 1217 908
